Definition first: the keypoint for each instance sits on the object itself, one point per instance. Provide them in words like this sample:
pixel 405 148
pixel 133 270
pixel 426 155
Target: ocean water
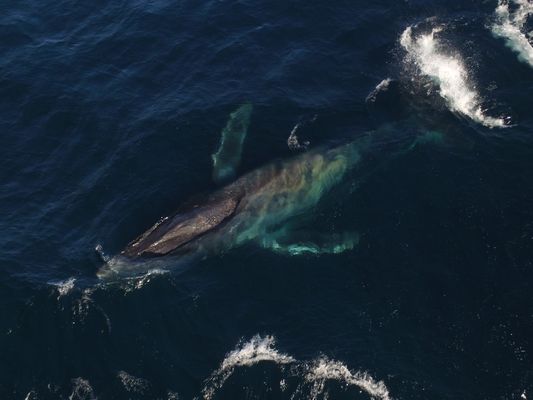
pixel 109 114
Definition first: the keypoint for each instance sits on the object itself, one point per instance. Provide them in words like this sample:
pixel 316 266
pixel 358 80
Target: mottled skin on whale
pixel 254 208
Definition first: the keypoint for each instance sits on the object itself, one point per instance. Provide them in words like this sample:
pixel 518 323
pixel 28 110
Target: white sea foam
pixel 64 287
pixel 258 349
pixel 313 375
pixel 324 369
pixel 133 384
pixel 510 26
pixel 448 71
pixel 138 282
pixel 82 390
pixel 380 87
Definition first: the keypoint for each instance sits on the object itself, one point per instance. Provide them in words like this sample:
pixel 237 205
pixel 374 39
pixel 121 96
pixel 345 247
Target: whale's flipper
pixel 287 243
pixel 228 156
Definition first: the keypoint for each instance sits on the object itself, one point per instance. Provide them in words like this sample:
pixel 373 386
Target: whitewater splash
pixel 324 369
pixel 256 350
pixel 510 27
pixel 64 287
pixel 448 71
pixel 313 376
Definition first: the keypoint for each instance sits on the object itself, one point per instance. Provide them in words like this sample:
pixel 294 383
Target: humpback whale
pixel 256 207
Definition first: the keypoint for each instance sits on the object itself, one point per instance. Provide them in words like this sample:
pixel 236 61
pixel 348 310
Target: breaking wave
pixel 510 27
pixel 448 71
pixel 310 379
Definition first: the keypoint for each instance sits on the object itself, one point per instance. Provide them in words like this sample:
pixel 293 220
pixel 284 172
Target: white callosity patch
pixel 313 376
pixel 510 26
pixel 448 71
pixel 82 390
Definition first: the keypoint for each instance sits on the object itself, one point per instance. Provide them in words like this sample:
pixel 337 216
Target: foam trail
pixel 313 375
pixel 258 349
pixel 510 25
pixel 325 369
pixel 449 73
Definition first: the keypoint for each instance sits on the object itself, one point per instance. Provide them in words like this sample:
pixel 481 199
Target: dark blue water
pixel 109 112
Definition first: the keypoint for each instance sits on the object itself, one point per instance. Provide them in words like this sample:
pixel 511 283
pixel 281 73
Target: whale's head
pixel 179 234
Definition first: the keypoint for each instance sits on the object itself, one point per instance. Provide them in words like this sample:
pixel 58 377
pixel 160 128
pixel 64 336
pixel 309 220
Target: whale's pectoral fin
pixel 301 243
pixel 228 156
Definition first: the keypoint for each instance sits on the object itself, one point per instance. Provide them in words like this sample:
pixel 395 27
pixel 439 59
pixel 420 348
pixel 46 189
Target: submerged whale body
pixel 257 207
